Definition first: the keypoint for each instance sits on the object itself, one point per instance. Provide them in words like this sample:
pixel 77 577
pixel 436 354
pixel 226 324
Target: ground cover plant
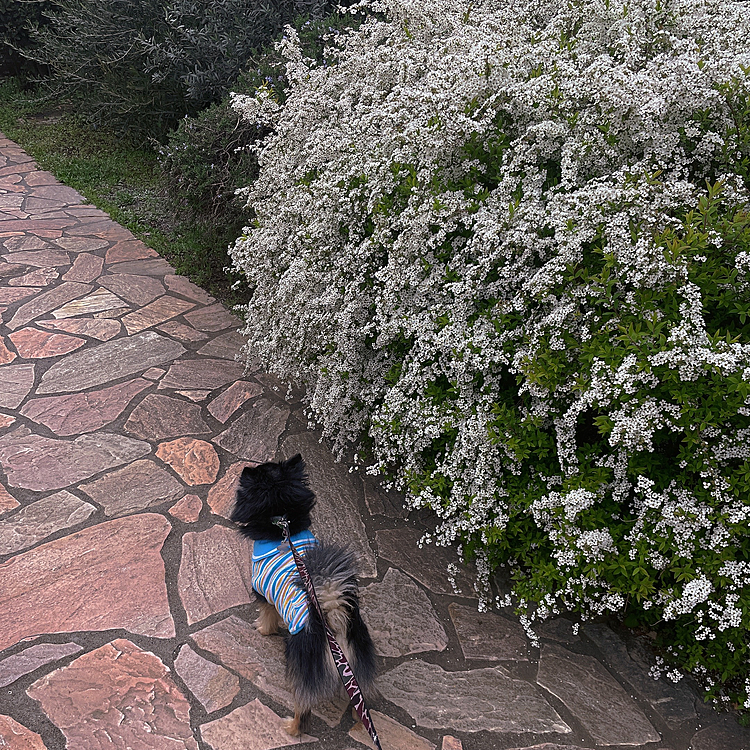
pixel 506 247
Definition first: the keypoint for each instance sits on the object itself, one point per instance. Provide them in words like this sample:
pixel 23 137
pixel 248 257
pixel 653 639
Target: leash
pixel 342 665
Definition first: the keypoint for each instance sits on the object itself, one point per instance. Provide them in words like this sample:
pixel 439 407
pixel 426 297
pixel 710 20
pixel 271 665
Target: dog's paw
pixel 264 627
pixel 292 726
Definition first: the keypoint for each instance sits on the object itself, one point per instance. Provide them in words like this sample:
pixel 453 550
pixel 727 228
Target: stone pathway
pixel 125 603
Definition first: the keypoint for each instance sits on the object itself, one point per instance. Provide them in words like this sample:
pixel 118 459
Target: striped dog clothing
pixel 274 576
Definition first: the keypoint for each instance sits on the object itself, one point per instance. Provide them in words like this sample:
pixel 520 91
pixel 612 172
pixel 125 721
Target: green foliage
pixel 17 18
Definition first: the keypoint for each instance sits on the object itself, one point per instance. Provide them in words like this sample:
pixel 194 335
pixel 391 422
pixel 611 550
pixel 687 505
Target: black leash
pixel 342 665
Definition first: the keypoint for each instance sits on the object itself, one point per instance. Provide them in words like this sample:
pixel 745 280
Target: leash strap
pixel 342 665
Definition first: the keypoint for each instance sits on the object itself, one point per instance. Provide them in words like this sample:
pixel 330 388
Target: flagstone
pixel 453 743
pixel 99 301
pixel 221 496
pixel 400 617
pixel 158 417
pixel 214 572
pixel 108 576
pixel 86 268
pixel 6 420
pixel 41 207
pixel 201 374
pixel 227 403
pixel 83 412
pixel 40 258
pixel 724 734
pixel 253 726
pixel 100 226
pixel 151 267
pixel 6 355
pixel 15 736
pixel 15 383
pixel 38 463
pixel 80 244
pixel 41 178
pixel 39 277
pixel 195 461
pixel 212 318
pixel 7 501
pixel 154 373
pixel 337 516
pixel 137 486
pixel 484 635
pixel 8 270
pixel 226 346
pixel 558 629
pixel 32 343
pixel 10 296
pixel 47 301
pixel 260 659
pixel 158 311
pixel 115 312
pixel 57 193
pixel 214 686
pixel 140 290
pixel 96 328
pixel 594 697
pixel 254 435
pixel 428 565
pixel 391 734
pixel 109 361
pixel 469 701
pixel 128 250
pixel 194 395
pixel 380 502
pixel 188 509
pixel 36 521
pixel 182 332
pixel 117 696
pixel 185 287
pixel 26 661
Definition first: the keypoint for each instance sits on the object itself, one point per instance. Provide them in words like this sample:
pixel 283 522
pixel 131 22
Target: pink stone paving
pixel 195 461
pixel 15 736
pixel 32 343
pixel 188 509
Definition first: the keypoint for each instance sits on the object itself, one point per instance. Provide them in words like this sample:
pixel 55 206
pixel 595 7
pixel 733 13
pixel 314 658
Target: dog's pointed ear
pixel 295 465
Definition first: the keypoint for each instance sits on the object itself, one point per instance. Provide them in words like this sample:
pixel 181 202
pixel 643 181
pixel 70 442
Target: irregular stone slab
pixel 80 244
pixel 227 403
pixel 7 501
pixel 24 242
pixel 214 572
pixel 194 460
pixel 97 328
pixel 40 277
pixel 156 312
pixel 201 373
pixel 47 301
pixel 451 743
pixel 38 463
pixel 108 576
pixel 221 496
pixel 380 502
pixel 41 259
pixel 675 703
pixel 594 697
pixel 337 516
pixel 6 420
pixel 194 395
pixel 553 746
pixel 182 332
pixel 391 734
pixel 10 296
pixel 137 486
pixel 158 417
pixel 260 659
pixel 185 287
pixel 473 701
pixel 254 435
pixel 99 301
pixel 484 635
pixel 428 565
pixel 83 412
pixel 722 735
pixel 558 629
pixel 152 267
pixel 38 520
pixel 25 662
pixel 154 373
pixel 140 290
pixel 214 686
pixel 188 509
pixel 59 194
pixel 86 268
pixel 128 250
pixel 32 343
pixel 212 318
pixel 6 355
pixel 226 346
pixel 15 383
pixel 250 727
pixel 109 361
pixel 15 736
pixel 400 617
pixel 116 696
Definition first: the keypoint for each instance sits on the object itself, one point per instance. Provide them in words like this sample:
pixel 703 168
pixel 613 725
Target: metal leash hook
pixel 339 659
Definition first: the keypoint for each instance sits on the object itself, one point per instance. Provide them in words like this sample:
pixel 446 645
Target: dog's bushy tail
pixel 310 667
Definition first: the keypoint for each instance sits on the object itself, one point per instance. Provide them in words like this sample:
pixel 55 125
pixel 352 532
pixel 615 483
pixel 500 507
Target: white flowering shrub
pixel 506 247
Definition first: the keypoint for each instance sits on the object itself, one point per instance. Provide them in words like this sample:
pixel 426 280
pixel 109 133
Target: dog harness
pixel 274 576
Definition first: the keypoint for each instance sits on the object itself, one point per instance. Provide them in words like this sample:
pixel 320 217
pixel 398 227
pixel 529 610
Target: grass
pixel 120 175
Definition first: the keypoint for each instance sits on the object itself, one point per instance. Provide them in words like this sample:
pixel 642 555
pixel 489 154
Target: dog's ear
pixel 295 467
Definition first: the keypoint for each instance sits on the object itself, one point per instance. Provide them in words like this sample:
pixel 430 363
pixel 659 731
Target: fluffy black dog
pixel 281 489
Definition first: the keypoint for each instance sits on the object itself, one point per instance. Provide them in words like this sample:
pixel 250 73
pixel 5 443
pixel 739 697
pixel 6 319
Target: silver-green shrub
pixel 505 245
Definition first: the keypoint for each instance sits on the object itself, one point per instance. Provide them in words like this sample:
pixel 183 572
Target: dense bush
pixel 146 63
pixel 506 246
pixel 17 19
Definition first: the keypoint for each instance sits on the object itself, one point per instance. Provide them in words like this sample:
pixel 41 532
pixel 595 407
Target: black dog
pixel 281 489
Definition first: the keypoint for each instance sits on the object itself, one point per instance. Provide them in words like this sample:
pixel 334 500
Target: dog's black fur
pixel 281 489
